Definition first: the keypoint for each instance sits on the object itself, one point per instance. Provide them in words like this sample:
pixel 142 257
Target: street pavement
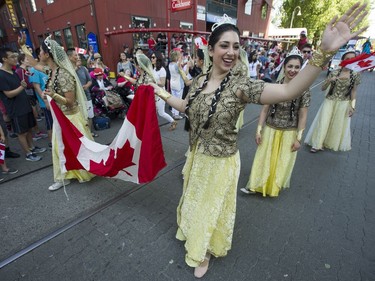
pixel 321 228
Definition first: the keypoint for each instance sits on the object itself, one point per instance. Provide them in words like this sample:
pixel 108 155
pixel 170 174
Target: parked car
pixel 335 61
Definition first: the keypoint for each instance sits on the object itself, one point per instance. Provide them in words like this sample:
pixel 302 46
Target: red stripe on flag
pixel 152 158
pixel 70 138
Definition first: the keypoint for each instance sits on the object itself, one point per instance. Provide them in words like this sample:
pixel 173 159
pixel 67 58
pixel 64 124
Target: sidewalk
pixel 322 228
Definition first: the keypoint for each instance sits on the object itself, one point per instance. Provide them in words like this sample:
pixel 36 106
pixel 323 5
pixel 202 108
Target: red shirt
pixel 151 43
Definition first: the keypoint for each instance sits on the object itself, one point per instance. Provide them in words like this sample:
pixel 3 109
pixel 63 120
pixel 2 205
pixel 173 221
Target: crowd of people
pixel 209 88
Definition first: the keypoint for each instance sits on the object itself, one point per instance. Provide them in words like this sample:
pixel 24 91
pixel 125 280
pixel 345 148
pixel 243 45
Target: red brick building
pixel 104 24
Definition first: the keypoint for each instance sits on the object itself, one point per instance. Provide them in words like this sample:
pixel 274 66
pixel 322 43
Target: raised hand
pixel 22 38
pixel 339 30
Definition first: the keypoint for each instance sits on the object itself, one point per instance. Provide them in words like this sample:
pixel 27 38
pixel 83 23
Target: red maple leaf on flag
pixel 114 164
pixel 364 64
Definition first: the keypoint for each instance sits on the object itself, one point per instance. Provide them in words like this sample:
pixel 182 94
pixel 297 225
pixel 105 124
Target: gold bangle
pixel 299 135
pixel 259 129
pixel 163 94
pixel 352 103
pixel 59 99
pixel 321 58
pixel 25 50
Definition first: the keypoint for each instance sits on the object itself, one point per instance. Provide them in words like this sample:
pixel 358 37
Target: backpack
pixel 101 123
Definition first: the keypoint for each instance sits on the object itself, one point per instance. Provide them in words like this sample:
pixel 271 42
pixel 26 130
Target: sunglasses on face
pixel 306 52
pixel 153 57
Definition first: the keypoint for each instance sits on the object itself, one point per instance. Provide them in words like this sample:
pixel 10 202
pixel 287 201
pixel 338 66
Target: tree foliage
pixel 315 14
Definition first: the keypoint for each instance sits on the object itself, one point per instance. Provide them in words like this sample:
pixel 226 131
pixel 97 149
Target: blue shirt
pixel 41 79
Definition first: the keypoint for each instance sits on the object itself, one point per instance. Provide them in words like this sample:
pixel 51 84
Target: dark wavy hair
pixel 218 32
pixel 287 59
pixel 46 49
pixel 159 60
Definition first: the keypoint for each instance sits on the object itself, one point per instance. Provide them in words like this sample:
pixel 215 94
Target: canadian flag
pixel 360 62
pixel 135 154
pixel 2 153
pixel 200 42
pixel 81 51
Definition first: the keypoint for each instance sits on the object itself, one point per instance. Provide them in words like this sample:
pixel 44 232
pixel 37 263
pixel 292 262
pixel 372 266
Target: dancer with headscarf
pixel 64 87
pixel 331 126
pixel 206 212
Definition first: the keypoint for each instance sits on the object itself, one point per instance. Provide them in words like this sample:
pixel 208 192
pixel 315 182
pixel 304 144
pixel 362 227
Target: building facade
pixel 106 25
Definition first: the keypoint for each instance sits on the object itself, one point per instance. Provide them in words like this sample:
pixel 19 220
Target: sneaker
pixel 1 179
pixel 13 135
pixel 38 119
pixel 10 172
pixel 39 136
pixel 58 185
pixel 32 157
pixel 177 117
pixel 247 191
pixel 10 154
pixel 38 149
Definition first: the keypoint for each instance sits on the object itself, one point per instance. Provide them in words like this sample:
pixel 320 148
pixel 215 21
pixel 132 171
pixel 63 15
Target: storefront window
pixel 264 10
pixel 81 34
pixel 58 37
pixel 140 39
pixel 68 38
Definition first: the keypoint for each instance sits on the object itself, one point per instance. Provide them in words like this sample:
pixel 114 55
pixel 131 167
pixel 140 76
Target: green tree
pixel 315 14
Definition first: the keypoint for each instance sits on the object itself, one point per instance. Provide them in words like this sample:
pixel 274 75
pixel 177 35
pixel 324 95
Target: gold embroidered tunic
pixel 282 117
pixel 340 91
pixel 220 139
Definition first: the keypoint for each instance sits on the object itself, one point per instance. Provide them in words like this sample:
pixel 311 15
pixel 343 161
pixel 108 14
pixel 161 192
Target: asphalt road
pixel 322 228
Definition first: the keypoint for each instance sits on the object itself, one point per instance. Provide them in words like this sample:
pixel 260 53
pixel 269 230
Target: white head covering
pixel 62 60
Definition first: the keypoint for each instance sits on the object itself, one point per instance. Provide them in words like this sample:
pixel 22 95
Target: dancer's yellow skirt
pixel 81 175
pixel 273 162
pixel 207 208
pixel 331 126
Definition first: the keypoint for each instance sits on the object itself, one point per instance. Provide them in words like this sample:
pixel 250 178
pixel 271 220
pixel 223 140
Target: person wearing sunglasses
pixel 306 52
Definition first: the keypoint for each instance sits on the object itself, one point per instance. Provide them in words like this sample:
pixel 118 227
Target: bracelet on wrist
pixel 299 135
pixel 321 58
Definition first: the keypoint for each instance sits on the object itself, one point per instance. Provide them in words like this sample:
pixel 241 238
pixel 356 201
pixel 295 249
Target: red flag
pixel 2 153
pixel 360 62
pixel 136 153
